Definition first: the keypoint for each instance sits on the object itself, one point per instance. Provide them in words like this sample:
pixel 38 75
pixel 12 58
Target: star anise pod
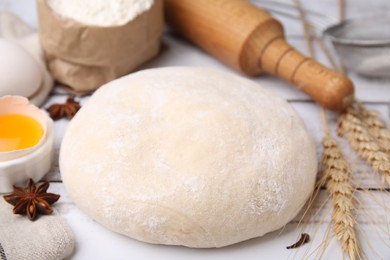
pixel 32 200
pixel 68 110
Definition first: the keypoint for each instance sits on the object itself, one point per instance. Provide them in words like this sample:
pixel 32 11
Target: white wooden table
pixel 96 242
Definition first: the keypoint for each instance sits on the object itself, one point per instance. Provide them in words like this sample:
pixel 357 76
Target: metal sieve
pixel 363 45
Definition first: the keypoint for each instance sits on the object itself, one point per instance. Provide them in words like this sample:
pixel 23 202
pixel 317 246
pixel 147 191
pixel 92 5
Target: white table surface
pixel 95 242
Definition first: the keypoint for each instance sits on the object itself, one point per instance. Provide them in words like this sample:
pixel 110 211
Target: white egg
pixel 20 73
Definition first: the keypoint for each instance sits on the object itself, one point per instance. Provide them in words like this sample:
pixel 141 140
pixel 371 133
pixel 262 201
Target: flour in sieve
pixel 374 66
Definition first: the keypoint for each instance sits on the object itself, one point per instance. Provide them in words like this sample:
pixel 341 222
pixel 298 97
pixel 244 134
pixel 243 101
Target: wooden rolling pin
pixel 252 41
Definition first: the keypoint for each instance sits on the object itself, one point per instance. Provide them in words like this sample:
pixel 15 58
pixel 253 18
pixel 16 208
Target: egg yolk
pixel 18 132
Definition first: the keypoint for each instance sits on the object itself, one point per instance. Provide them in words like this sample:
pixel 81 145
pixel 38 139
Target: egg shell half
pixel 20 105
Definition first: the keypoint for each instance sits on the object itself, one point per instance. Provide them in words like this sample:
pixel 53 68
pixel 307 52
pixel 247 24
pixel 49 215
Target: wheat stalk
pixel 376 127
pixel 367 147
pixel 306 27
pixel 370 138
pixel 342 10
pixel 338 174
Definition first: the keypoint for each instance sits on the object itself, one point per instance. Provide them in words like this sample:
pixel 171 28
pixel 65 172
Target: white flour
pixel 100 12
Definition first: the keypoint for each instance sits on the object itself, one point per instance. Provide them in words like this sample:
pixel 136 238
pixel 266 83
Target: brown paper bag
pixel 84 57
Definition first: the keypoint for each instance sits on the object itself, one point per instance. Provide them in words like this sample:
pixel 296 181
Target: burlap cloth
pixel 48 237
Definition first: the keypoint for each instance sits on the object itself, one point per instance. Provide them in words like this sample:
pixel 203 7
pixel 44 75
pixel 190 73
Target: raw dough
pixel 188 156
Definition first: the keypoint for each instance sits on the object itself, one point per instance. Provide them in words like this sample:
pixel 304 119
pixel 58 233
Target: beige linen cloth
pixel 46 238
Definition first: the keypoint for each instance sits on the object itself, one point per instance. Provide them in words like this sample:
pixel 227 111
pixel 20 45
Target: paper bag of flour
pixel 84 56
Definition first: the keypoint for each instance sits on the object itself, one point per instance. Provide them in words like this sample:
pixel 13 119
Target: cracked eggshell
pixel 34 162
pixel 21 106
pixel 20 73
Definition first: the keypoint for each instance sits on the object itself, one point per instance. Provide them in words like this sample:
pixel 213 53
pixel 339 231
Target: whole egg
pixel 20 73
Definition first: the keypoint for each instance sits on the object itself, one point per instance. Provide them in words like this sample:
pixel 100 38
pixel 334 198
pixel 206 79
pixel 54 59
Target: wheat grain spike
pixel 376 126
pixel 367 147
pixel 338 174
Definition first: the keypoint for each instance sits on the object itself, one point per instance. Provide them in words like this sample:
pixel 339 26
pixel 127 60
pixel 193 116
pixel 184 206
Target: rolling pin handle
pixel 254 43
pixel 329 88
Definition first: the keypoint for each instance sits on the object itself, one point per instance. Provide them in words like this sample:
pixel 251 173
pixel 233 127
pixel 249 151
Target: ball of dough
pixel 188 156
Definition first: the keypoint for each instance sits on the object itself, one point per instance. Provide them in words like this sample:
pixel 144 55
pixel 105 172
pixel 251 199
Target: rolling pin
pixel 252 41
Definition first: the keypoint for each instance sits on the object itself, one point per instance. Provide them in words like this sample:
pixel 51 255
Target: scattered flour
pixel 101 12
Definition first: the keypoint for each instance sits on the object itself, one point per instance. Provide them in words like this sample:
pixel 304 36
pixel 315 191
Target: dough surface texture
pixel 188 156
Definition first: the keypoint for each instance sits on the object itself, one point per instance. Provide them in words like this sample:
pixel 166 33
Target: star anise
pixel 68 110
pixel 32 200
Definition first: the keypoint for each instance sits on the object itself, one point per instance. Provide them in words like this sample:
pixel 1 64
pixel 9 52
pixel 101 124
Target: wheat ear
pixel 363 142
pixel 376 127
pixel 338 174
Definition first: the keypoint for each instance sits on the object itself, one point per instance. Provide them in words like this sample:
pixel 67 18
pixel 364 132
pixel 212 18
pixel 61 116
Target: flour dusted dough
pixel 188 156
